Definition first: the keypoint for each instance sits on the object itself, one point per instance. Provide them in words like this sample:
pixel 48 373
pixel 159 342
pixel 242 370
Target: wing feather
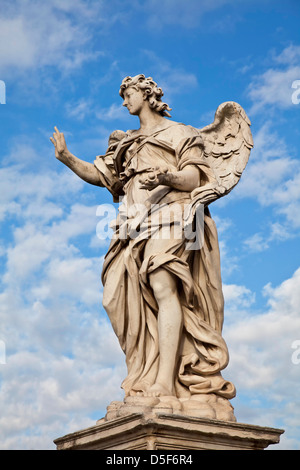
pixel 227 145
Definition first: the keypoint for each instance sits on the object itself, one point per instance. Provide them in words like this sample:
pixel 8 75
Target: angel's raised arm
pixel 84 170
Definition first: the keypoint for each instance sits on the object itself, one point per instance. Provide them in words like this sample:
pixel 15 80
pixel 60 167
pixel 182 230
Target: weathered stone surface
pixel 162 431
pixel 201 406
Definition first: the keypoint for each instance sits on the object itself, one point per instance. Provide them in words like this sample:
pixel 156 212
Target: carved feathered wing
pixel 227 145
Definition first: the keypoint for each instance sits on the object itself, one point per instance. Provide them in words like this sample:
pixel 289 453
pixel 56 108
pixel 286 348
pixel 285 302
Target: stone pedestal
pixel 163 431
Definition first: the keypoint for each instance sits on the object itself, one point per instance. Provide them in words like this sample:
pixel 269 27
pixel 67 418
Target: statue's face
pixel 134 100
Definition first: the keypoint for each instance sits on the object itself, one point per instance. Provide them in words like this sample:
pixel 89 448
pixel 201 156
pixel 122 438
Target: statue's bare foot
pixel 158 390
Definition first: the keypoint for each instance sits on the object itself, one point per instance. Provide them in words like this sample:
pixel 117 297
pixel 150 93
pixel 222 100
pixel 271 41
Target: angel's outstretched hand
pixel 59 143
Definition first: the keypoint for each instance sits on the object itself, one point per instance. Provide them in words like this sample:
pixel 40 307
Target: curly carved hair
pixel 148 86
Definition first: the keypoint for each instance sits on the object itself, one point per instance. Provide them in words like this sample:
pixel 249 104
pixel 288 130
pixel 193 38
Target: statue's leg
pixel 165 290
pixel 164 287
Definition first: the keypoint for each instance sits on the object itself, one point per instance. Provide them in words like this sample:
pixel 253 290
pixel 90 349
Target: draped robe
pixel 128 297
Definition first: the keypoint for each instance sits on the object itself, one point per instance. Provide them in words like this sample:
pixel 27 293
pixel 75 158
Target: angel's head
pixel 150 91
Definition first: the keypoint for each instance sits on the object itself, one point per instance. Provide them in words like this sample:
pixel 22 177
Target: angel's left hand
pixel 153 178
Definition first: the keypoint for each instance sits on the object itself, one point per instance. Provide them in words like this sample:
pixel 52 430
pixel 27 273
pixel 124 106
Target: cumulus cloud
pixel 261 349
pixel 63 362
pixel 38 34
pixel 50 394
pixel 272 178
pixel 273 88
pixel 237 297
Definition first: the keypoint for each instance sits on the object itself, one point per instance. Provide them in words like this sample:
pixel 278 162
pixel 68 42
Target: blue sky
pixel 62 63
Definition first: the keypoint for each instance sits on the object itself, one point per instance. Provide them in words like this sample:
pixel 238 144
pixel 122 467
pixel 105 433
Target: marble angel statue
pixel 164 299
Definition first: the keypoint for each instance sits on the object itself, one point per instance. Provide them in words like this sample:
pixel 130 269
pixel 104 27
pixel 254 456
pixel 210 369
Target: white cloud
pixel 272 178
pixel 75 277
pixel 47 395
pixel 290 55
pixel 29 191
pixel 37 33
pixel 285 297
pixel 260 345
pixel 261 241
pixel 237 296
pixel 63 360
pixel 273 88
